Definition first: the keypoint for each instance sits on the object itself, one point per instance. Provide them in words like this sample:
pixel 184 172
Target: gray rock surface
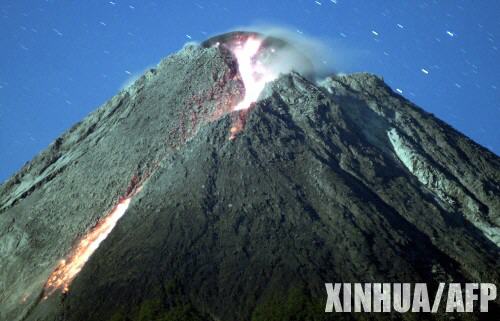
pixel 342 181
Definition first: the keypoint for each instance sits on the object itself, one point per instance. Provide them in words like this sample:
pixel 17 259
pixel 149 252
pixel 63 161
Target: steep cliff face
pixel 461 173
pixel 338 181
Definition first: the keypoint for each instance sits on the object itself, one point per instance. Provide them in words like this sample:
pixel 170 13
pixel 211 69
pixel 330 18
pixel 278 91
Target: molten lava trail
pixel 67 269
pixel 253 73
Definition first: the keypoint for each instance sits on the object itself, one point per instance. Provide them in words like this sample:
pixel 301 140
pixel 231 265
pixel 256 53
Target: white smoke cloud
pixel 326 56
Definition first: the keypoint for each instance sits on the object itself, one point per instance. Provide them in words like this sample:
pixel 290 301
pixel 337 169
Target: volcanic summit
pixel 221 187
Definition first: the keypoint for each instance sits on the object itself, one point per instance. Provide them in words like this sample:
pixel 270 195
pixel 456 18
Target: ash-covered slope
pixel 345 181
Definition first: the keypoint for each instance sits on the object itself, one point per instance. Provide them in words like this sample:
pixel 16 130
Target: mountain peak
pixel 337 180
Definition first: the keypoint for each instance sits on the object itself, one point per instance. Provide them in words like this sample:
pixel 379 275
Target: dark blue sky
pixel 62 59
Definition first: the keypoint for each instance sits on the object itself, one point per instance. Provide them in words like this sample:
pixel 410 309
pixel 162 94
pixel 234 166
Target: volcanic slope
pixel 342 181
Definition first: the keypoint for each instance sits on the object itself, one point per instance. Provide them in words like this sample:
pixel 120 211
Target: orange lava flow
pixel 67 269
pixel 238 124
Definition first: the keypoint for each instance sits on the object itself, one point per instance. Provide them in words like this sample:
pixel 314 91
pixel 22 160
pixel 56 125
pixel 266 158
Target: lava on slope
pixel 68 268
pixel 254 73
pixel 252 52
pixel 260 60
pixel 247 49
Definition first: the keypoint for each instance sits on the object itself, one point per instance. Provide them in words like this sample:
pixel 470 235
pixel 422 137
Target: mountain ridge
pixel 344 180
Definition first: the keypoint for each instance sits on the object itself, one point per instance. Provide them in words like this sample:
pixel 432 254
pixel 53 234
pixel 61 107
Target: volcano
pixel 170 203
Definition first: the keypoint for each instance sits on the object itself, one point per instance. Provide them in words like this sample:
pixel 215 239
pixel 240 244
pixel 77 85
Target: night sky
pixel 60 60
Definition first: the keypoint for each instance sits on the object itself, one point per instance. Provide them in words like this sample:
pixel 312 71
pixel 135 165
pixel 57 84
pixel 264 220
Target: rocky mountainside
pixel 337 181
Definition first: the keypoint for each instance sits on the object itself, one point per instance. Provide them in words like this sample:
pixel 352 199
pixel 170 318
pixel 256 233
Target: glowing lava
pixel 66 271
pixel 254 75
pixel 253 72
